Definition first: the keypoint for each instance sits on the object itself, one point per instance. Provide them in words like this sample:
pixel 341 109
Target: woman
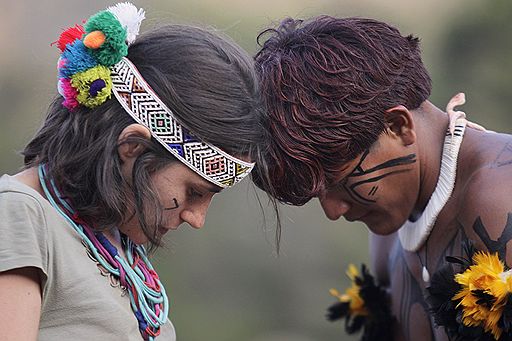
pixel 133 147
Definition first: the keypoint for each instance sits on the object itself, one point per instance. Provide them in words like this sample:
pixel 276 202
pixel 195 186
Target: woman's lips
pixel 163 230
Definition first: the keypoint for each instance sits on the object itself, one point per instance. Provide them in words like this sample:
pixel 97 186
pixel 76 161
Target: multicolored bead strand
pixel 148 299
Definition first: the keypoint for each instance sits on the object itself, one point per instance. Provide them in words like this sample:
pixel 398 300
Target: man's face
pixel 380 187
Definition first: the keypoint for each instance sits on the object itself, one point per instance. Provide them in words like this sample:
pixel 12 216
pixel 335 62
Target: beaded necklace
pixel 413 235
pixel 136 275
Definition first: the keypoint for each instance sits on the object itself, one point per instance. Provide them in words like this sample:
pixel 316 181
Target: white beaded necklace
pixel 413 235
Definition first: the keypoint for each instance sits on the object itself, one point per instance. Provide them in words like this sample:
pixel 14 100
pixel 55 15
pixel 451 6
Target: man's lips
pixel 357 218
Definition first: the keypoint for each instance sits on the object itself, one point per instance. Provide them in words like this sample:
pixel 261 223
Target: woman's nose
pixel 194 219
pixel 195 216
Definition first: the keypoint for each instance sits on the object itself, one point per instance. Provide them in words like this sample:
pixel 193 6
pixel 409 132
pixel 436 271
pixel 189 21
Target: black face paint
pixel 499 245
pixel 176 205
pixel 373 190
pixel 358 171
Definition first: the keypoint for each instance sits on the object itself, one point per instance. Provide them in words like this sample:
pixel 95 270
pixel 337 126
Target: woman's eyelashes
pixel 194 194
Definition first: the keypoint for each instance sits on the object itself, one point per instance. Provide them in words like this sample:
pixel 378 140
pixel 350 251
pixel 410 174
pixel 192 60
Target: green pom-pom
pixel 82 81
pixel 115 46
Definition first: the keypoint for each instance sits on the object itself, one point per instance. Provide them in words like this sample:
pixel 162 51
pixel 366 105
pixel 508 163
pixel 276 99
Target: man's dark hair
pixel 209 83
pixel 326 84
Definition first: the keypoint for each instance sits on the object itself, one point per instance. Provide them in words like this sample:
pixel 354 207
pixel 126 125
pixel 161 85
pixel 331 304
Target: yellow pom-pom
pixel 94 40
pixel 93 96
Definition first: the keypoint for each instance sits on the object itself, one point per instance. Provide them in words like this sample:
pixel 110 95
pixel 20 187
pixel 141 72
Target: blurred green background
pixel 226 282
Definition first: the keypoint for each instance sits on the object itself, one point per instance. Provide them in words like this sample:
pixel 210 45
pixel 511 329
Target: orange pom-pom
pixel 69 36
pixel 94 40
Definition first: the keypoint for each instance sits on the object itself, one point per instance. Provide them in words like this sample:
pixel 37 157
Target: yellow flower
pixel 486 277
pixel 351 294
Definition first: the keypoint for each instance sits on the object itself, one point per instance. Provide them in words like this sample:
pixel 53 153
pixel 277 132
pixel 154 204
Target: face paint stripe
pixel 377 178
pixel 357 197
pixel 373 190
pixel 406 160
pixel 176 205
pixel 358 168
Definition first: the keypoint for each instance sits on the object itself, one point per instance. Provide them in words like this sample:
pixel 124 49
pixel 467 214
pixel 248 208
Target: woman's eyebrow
pixel 214 188
pixel 209 187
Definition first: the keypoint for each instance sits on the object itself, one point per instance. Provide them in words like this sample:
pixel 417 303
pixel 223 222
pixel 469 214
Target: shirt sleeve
pixel 23 233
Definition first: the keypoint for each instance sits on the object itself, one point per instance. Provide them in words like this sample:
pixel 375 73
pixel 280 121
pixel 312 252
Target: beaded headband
pixel 140 101
pixel 93 66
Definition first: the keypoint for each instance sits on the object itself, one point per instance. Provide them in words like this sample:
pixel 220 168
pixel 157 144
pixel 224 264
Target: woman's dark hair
pixel 209 83
pixel 326 84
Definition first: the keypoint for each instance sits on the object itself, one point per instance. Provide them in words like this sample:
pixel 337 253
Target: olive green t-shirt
pixel 78 302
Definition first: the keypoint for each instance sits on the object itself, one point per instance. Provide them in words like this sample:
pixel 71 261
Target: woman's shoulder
pixel 16 196
pixel 23 226
pixel 14 188
pixel 23 210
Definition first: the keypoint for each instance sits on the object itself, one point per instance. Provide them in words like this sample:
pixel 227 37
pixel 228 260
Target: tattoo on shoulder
pixel 499 245
pixel 504 158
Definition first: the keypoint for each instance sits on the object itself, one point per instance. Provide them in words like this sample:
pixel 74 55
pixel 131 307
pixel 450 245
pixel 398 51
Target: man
pixel 349 122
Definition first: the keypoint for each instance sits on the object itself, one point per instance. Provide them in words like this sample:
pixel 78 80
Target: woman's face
pixel 183 194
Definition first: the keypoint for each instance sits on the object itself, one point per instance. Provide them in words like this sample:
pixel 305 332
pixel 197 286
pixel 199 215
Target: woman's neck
pixel 30 178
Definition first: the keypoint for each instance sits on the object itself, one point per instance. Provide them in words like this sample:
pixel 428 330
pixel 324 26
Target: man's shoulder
pixel 485 197
pixel 489 168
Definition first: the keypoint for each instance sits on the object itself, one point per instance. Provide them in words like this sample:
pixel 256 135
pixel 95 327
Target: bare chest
pixel 407 281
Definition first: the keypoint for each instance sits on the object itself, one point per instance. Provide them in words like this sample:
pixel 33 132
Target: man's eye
pixel 340 185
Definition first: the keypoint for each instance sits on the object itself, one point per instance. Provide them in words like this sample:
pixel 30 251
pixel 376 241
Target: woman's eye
pixel 195 194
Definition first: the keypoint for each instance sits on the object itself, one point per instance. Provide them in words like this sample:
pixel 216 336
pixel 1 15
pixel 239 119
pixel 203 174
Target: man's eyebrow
pixel 344 177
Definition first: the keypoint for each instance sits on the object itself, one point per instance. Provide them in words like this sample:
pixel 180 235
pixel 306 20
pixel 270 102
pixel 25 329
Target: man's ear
pixel 129 151
pixel 399 122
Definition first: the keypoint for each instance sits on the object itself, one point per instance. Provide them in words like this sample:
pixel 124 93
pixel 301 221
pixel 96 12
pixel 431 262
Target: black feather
pixel 337 311
pixel 379 323
pixel 444 310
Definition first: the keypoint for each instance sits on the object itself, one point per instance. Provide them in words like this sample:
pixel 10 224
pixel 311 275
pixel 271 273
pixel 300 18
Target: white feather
pixel 60 89
pixel 130 18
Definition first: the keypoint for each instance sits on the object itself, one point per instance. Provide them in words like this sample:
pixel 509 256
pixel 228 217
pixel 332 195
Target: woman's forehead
pixel 179 171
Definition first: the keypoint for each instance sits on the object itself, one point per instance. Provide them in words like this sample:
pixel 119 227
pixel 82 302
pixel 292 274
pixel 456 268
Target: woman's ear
pixel 129 151
pixel 400 122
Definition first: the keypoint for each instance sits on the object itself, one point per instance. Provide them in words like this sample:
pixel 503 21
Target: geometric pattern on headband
pixel 142 103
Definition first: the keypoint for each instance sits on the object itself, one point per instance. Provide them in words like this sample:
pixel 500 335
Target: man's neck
pixel 431 124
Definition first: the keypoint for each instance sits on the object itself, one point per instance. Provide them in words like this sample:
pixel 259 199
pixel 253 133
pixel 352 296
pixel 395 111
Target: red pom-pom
pixel 69 36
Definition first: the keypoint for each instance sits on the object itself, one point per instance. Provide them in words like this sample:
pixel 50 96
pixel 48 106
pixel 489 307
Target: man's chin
pixel 381 229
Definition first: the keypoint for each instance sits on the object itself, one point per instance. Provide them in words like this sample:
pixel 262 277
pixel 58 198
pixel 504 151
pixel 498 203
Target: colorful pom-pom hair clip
pixel 93 65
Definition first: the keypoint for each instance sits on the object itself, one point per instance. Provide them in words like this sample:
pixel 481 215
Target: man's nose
pixel 334 208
